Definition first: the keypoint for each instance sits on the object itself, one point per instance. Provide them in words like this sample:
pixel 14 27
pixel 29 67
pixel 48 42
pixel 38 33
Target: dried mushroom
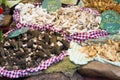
pixel 30 49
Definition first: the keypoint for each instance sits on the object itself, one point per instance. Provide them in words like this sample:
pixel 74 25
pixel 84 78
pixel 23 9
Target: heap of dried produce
pixel 103 5
pixel 30 49
pixel 109 50
pixel 71 19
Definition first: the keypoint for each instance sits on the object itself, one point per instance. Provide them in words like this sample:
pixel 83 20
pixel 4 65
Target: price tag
pixel 24 30
pixel 109 16
pixel 51 5
pixel 18 32
pixel 111 27
pixel 110 21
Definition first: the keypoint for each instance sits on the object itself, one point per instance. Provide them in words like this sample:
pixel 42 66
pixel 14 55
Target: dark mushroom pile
pixel 30 49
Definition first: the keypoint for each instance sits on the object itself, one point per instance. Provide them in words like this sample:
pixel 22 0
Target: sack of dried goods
pixel 24 52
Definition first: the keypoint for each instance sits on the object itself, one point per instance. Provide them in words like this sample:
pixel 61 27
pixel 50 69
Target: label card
pixel 112 27
pixel 109 15
pixel 18 32
pixel 51 5
pixel 110 21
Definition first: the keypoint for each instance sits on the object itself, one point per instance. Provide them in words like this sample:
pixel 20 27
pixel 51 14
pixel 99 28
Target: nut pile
pixel 71 19
pixel 30 49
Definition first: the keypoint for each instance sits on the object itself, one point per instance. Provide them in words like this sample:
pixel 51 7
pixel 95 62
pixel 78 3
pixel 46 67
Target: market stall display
pixel 46 32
